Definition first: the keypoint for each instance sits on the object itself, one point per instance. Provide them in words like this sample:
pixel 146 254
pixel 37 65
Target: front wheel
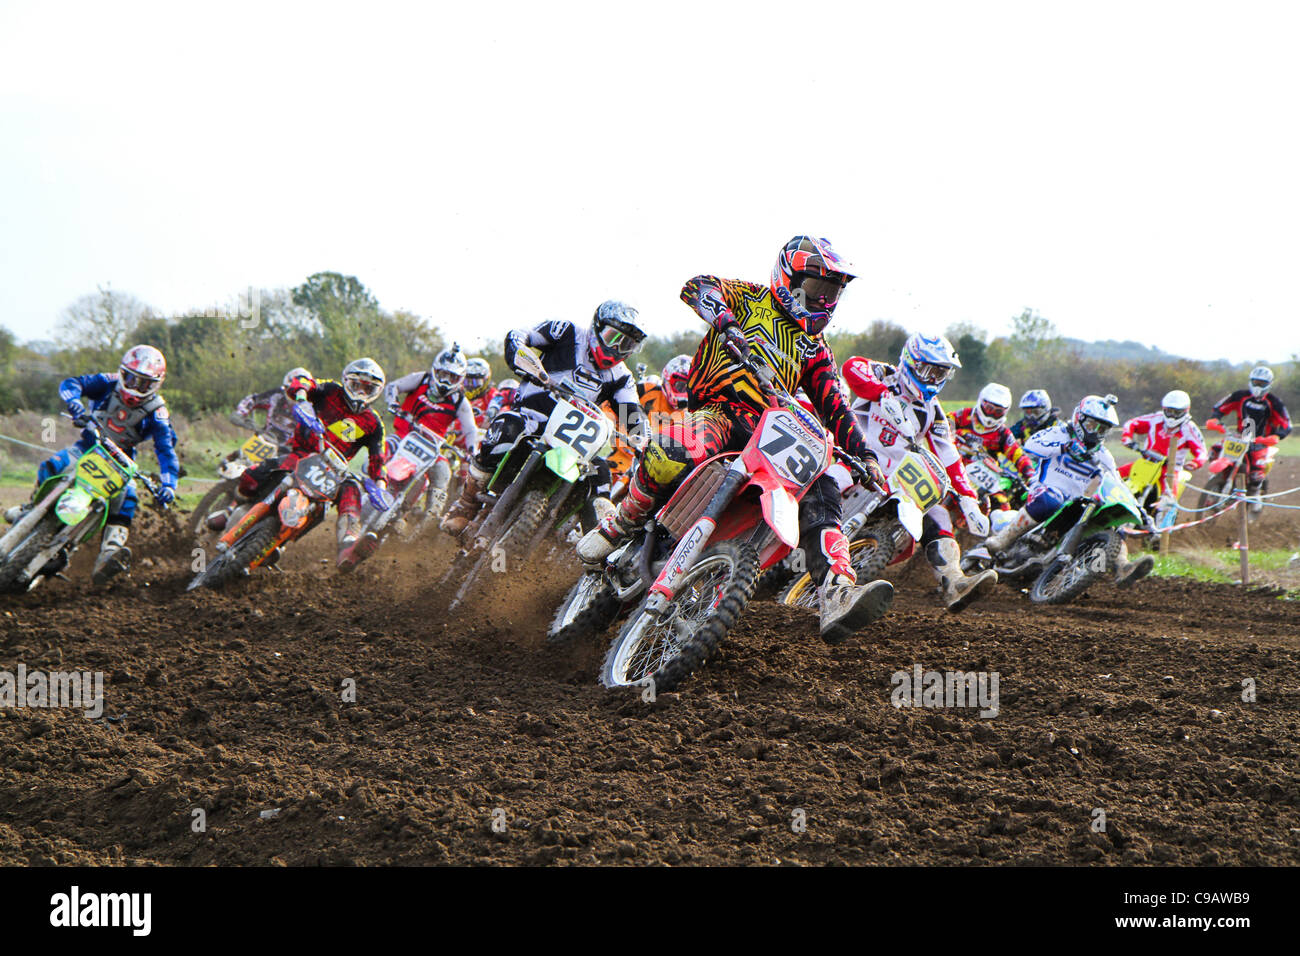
pixel 668 647
pixel 1210 497
pixel 234 562
pixel 16 560
pixel 1067 577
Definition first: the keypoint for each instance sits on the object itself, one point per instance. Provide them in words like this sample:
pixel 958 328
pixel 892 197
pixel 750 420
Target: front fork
pixel 693 542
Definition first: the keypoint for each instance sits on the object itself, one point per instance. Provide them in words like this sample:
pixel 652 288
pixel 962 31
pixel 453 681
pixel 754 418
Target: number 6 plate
pixel 571 427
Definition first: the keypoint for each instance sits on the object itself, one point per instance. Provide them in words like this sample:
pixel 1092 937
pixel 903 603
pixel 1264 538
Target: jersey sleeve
pixel 541 337
pixel 1280 421
pixel 164 445
pixel 861 380
pixel 822 385
pixel 468 424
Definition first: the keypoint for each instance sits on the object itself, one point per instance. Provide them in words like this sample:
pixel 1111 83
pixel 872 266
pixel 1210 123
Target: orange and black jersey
pixel 799 360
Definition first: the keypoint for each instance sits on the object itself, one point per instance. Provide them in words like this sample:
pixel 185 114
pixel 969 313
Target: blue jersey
pixel 127 425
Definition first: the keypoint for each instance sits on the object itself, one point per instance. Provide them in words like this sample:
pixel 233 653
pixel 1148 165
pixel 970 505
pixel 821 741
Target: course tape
pixel 45 449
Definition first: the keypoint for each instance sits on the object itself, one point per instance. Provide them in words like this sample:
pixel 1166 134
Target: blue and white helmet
pixel 1035 404
pixel 1093 417
pixel 1261 379
pixel 926 363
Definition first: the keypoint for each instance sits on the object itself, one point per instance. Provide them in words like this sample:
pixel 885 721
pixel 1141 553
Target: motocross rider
pixel 924 366
pixel 1036 413
pixel 435 400
pixel 781 324
pixel 275 404
pixel 665 397
pixel 981 429
pixel 279 425
pixel 1070 455
pixel 349 424
pixel 128 406
pixel 588 360
pixel 1270 417
pixel 1174 418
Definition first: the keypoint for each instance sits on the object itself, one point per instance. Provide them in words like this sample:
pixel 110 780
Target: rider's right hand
pixel 528 361
pixel 734 336
pixel 77 412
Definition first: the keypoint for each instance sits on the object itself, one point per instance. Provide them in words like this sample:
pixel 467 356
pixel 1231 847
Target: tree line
pixel 218 355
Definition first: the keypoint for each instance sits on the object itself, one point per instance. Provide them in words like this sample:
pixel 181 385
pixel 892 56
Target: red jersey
pixel 997 442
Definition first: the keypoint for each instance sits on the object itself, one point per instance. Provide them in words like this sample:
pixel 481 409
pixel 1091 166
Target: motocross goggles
pixel 1094 429
pixel 362 388
pixel 617 341
pixel 930 373
pixel 1259 385
pixel 820 292
pixel 446 380
pixel 136 383
pixel 992 412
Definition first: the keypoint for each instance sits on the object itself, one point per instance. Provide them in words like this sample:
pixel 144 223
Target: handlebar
pixel 121 457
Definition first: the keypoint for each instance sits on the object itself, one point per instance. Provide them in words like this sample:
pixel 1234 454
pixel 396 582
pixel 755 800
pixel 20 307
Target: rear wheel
pixel 1067 577
pixel 869 553
pixel 668 648
pixel 17 559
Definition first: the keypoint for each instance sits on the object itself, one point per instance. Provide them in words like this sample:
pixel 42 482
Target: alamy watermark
pixel 922 688
pixel 46 689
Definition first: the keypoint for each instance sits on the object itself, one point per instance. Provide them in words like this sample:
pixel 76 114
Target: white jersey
pixel 565 348
pixel 1061 471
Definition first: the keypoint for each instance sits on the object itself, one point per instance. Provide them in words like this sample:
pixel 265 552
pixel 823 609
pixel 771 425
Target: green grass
pixel 1220 565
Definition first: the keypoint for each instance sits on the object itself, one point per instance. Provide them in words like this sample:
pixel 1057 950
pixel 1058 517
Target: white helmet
pixel 1261 380
pixel 363 380
pixel 1177 406
pixel 1093 417
pixel 991 407
pixel 447 371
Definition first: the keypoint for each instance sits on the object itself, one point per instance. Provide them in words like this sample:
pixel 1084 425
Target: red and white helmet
pixel 991 407
pixel 676 371
pixel 141 374
pixel 807 281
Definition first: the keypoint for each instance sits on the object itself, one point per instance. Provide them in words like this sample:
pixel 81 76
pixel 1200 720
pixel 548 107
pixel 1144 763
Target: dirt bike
pixel 295 504
pixel 696 561
pixel 1230 465
pixel 1145 482
pixel 69 509
pixel 1072 549
pixel 887 525
pixel 542 486
pixel 416 504
pixel 996 482
pixel 221 496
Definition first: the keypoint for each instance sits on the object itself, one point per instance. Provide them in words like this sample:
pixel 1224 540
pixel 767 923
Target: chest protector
pixel 124 422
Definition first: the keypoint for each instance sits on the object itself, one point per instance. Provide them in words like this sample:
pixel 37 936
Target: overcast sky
pixel 1129 169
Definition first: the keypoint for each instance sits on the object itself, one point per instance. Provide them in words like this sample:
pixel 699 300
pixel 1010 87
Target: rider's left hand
pixel 166 494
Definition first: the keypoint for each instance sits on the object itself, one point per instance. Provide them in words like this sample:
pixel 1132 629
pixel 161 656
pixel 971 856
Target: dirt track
pixel 231 703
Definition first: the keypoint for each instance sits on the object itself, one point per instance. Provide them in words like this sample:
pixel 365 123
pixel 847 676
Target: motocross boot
pixel 958 589
pixel 1011 533
pixel 1128 572
pixel 114 555
pixel 219 520
pixel 616 525
pixel 467 506
pixel 15 514
pixel 1253 490
pixel 846 607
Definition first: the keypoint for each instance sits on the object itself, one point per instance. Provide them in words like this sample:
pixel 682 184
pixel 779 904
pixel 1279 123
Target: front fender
pixel 780 508
pixel 910 516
